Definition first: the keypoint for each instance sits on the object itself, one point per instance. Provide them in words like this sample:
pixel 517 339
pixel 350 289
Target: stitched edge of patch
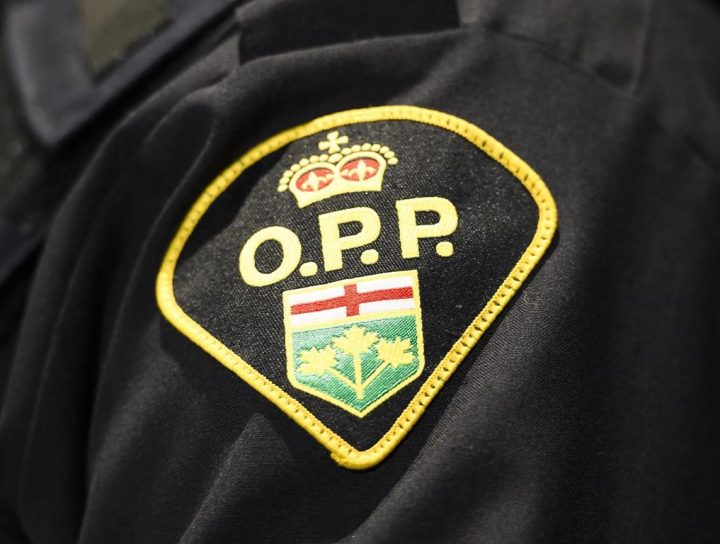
pixel 342 452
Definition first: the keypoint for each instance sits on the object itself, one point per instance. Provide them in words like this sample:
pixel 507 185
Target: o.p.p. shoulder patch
pixel 330 266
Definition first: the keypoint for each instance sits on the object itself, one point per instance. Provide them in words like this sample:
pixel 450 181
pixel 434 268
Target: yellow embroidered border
pixel 343 453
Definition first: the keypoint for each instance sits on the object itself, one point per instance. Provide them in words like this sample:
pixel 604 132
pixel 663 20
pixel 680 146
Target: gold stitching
pixel 342 452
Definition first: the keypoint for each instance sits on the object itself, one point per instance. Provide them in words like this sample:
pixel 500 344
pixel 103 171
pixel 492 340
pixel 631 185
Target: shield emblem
pixel 300 268
pixel 355 343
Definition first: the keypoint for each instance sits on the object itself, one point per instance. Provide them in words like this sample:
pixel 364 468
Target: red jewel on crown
pixel 340 170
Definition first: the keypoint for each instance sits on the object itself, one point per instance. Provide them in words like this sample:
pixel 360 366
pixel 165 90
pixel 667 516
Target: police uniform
pixel 380 272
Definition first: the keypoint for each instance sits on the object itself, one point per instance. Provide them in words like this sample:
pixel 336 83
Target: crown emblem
pixel 352 169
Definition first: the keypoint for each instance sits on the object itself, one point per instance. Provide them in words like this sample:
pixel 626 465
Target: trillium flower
pixel 318 362
pixel 395 352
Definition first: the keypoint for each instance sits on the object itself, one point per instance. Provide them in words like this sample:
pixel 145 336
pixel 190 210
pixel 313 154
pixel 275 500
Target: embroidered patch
pixel 382 241
pixel 355 343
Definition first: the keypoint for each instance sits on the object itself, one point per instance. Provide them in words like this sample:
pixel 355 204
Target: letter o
pixel 291 253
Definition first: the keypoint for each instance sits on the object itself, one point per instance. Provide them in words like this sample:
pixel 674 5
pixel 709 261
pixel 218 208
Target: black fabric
pixel 608 40
pixel 303 24
pixel 56 75
pixel 497 220
pixel 588 413
pixel 33 181
pixel 112 28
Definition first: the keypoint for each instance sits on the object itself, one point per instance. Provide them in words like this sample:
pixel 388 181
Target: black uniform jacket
pixel 379 271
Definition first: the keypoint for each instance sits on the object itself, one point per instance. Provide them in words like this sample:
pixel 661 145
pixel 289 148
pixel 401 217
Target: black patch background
pixel 497 220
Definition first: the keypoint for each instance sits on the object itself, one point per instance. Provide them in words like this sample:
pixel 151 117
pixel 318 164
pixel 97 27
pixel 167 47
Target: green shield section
pixel 357 365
